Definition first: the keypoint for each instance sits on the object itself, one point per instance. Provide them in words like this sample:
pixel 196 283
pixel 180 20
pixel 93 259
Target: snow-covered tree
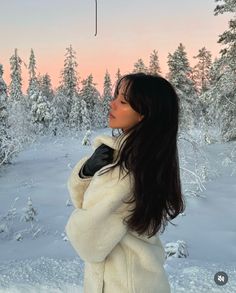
pixel 202 80
pixel 41 113
pixel 86 123
pixel 106 98
pixel 29 212
pixel 75 118
pixel 222 109
pixel 139 66
pixel 118 74
pixel 208 101
pixel 17 103
pixel 6 150
pixel 3 98
pixel 228 38
pixel 16 225
pixel 179 75
pixel 224 89
pixel 69 77
pixel 98 118
pixel 90 95
pixel 79 116
pixel 201 71
pixel 227 6
pixel 176 249
pixel 16 79
pixel 45 86
pixel 20 127
pixel 6 221
pixel 87 138
pixel 154 67
pixel 59 104
pixel 33 82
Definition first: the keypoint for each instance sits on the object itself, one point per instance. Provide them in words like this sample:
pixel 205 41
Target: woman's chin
pixel 111 124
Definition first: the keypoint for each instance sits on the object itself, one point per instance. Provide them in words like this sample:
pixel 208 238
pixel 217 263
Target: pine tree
pixel 29 212
pixel 86 123
pixel 18 110
pixel 139 66
pixel 69 82
pixel 5 141
pixel 228 38
pixel 33 82
pixel 226 100
pixel 179 75
pixel 90 95
pixel 154 67
pixel 98 117
pixel 79 116
pixel 118 75
pixel 3 86
pixel 107 97
pixel 59 104
pixel 16 79
pixel 75 118
pixel 225 86
pixel 3 90
pixel 45 86
pixel 41 113
pixel 201 71
pixel 3 101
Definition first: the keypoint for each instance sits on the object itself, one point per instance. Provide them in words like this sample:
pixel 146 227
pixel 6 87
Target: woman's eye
pixel 123 102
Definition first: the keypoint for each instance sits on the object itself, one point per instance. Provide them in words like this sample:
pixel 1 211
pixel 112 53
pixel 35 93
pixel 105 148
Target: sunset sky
pixel 127 30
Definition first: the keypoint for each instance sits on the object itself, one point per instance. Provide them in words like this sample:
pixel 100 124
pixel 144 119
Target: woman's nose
pixel 112 104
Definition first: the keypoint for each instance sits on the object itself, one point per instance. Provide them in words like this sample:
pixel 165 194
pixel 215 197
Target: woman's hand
pixel 102 156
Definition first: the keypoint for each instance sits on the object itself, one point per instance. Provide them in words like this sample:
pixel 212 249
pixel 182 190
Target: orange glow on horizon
pixel 88 66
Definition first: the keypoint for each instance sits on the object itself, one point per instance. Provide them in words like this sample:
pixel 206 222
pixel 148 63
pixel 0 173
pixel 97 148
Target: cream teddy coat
pixel 116 259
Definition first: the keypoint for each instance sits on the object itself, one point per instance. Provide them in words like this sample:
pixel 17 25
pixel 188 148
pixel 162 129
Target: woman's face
pixel 124 115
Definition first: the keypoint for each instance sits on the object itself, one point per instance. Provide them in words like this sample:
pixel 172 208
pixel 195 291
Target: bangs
pixel 124 85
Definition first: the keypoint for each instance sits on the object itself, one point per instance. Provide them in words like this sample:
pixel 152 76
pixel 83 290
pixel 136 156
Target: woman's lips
pixel 111 116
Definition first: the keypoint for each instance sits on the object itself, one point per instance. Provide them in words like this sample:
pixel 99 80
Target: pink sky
pixel 126 32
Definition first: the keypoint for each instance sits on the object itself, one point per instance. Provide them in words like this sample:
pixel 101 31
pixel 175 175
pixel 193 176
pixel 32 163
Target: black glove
pixel 102 156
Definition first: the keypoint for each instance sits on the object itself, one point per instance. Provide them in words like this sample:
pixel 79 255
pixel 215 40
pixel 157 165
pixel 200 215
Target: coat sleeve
pixel 95 231
pixel 77 185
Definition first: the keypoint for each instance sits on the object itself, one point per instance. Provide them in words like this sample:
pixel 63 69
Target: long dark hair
pixel 150 153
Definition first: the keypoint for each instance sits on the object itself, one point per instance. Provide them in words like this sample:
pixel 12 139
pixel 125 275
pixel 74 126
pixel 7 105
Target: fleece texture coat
pixel 116 259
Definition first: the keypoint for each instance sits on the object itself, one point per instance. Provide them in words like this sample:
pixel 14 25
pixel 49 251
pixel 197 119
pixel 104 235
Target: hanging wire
pixel 96 20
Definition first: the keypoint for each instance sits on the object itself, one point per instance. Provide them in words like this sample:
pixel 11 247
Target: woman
pixel 128 190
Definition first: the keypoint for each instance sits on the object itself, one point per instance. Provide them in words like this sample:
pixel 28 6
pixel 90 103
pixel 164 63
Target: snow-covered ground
pixel 35 256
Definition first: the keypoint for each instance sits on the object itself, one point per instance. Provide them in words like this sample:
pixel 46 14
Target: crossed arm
pixel 95 231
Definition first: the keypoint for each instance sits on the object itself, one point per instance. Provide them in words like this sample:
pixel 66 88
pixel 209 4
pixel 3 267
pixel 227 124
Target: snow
pixel 41 275
pixel 44 261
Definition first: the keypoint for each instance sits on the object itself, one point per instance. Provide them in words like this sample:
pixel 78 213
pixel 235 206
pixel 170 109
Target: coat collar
pixel 111 141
